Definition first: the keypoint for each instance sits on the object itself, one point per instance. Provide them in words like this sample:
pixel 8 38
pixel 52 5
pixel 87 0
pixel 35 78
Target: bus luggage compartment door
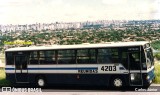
pixel 21 72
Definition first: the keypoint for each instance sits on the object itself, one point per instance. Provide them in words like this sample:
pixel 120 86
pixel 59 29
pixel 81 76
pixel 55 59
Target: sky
pixel 49 11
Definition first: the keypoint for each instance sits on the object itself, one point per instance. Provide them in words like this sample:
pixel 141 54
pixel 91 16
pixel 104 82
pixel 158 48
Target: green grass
pixel 157 73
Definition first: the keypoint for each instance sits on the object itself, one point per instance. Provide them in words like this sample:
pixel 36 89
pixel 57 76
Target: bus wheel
pixel 41 82
pixel 117 82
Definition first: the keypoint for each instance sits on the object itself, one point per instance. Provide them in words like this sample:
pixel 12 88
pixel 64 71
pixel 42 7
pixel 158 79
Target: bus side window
pixel 86 56
pixel 143 60
pixel 108 55
pixel 47 57
pixel 9 58
pixel 114 55
pixel 124 60
pixel 66 57
pixel 33 58
pixel 134 61
pixel 92 56
pixel 82 56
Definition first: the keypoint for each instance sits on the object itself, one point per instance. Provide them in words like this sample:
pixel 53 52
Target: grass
pixel 157 72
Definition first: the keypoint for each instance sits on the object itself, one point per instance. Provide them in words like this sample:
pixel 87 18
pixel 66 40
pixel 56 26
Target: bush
pixel 156 45
pixel 157 73
pixel 4 82
pixel 157 56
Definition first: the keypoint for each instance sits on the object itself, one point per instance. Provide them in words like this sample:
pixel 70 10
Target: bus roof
pixel 79 46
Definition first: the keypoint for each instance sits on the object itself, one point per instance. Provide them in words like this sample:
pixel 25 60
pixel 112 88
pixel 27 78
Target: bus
pixel 115 64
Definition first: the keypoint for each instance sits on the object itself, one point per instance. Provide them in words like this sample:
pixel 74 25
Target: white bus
pixel 116 64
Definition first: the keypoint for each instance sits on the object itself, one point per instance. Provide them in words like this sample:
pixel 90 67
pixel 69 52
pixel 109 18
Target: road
pixel 152 88
pixel 89 91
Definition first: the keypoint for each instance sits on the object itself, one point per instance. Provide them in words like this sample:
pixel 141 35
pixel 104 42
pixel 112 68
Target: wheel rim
pixel 41 82
pixel 117 82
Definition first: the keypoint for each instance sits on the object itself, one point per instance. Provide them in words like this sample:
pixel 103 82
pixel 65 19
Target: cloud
pixel 32 11
pixel 114 2
pixel 130 9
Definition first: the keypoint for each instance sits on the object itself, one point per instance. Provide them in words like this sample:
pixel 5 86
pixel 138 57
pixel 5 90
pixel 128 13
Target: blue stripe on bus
pixel 9 68
pixel 58 68
pixel 62 68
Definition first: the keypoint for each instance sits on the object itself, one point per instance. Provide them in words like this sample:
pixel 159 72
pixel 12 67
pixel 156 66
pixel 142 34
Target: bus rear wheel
pixel 117 82
pixel 41 82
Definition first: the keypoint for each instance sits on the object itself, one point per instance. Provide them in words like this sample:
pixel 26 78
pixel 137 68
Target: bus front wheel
pixel 41 82
pixel 117 82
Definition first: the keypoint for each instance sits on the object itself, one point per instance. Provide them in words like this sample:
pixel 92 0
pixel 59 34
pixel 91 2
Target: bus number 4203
pixel 108 68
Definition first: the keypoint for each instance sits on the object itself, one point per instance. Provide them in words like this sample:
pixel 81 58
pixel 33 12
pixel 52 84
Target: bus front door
pixel 135 73
pixel 21 72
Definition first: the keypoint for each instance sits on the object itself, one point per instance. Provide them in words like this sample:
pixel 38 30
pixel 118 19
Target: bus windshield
pixel 149 58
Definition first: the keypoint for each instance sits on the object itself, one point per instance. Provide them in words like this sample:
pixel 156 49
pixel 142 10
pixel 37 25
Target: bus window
pixel 149 58
pixel 33 58
pixel 66 57
pixel 134 60
pixel 86 56
pixel 47 57
pixel 108 56
pixel 136 56
pixel 10 58
pixel 143 60
pixel 114 54
pixel 124 59
pixel 92 56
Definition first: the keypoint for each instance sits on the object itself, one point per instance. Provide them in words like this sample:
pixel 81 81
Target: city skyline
pixel 48 11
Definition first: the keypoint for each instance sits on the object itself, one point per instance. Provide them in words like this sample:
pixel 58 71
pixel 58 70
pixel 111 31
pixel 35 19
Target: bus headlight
pixel 148 77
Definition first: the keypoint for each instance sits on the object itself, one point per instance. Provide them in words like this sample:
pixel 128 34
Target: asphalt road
pixel 152 88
